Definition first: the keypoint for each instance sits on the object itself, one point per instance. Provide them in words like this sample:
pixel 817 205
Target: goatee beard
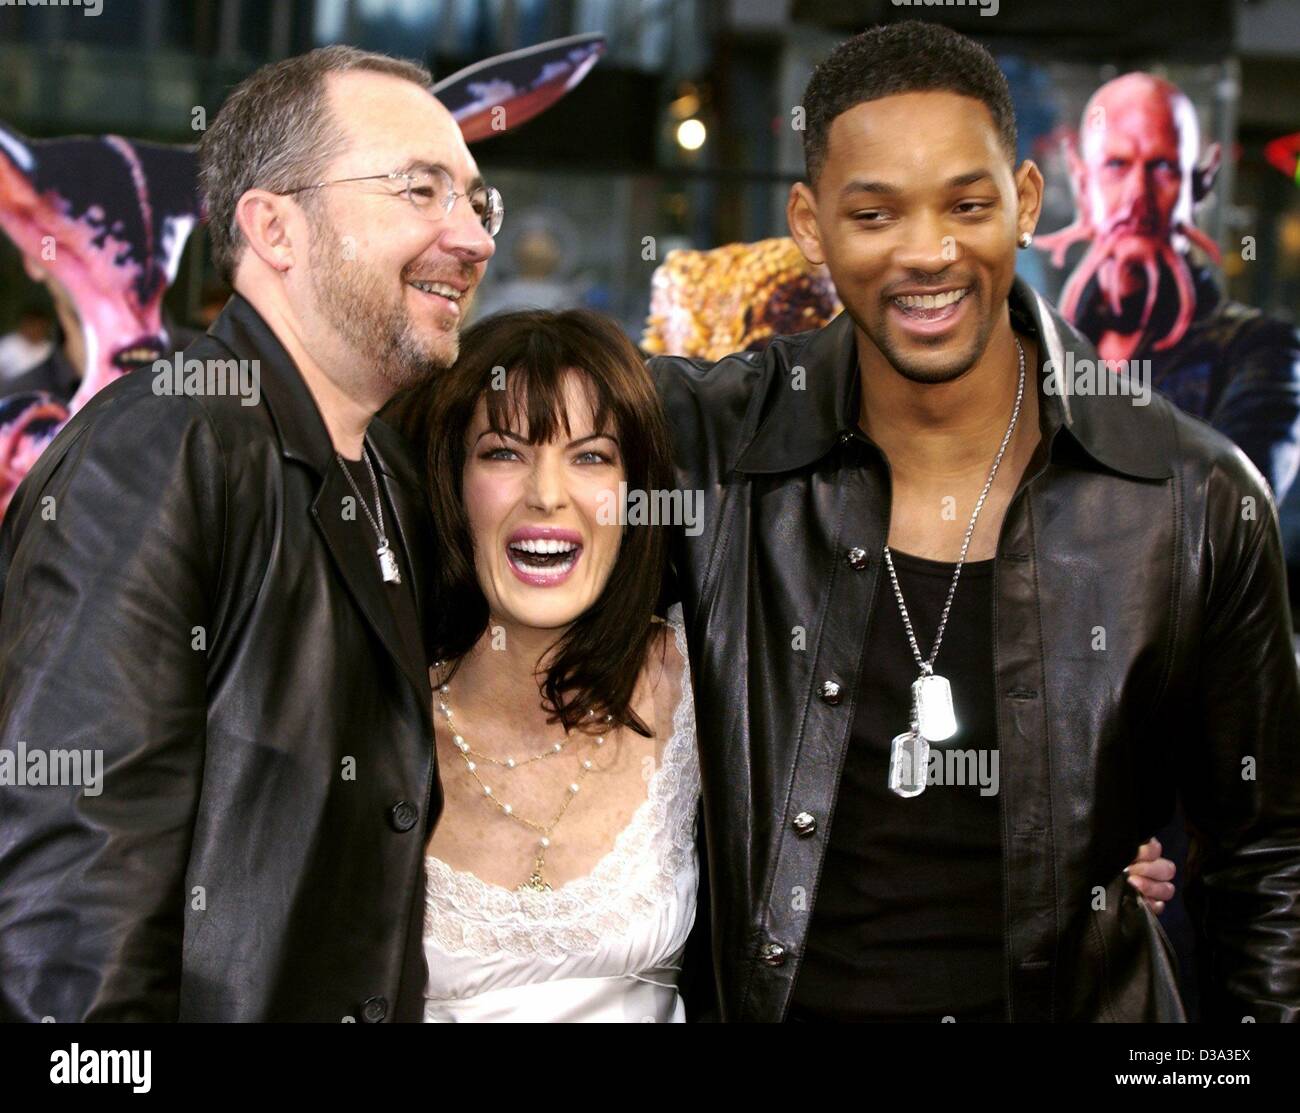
pixel 359 304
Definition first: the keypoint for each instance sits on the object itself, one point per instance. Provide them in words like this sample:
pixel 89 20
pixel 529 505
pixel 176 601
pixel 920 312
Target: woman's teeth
pixel 553 555
pixel 931 301
pixel 544 546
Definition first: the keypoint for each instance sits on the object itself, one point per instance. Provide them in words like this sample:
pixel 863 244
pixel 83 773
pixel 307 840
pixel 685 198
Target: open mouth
pixel 139 354
pixel 543 561
pixel 930 313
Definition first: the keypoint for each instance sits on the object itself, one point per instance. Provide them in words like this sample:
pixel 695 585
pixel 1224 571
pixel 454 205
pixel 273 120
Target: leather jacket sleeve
pixel 1242 783
pixel 109 560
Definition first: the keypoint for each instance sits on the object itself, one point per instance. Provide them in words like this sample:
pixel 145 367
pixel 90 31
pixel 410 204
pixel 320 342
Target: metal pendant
pixel 388 564
pixel 909 763
pixel 536 883
pixel 932 701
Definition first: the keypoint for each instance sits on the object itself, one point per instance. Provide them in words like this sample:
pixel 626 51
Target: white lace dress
pixel 605 947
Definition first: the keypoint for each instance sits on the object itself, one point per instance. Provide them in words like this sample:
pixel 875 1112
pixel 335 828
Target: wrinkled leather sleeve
pixel 109 560
pixel 1242 783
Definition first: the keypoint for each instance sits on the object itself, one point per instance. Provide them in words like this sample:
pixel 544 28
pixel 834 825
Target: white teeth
pixel 543 546
pixel 931 301
pixel 439 288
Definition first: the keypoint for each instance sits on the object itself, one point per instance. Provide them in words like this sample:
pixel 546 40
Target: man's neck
pixel 942 431
pixel 344 406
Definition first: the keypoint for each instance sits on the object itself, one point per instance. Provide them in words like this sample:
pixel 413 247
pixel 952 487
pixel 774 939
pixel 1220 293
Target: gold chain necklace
pixel 536 881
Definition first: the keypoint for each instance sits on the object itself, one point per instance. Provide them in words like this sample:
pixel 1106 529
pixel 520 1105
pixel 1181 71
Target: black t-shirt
pixel 907 923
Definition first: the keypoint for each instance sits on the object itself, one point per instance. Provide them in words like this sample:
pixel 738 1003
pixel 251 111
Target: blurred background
pixel 683 130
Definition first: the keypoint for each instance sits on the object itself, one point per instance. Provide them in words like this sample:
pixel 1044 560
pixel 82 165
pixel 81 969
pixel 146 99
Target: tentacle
pixel 1151 266
pixel 1177 264
pixel 1078 282
pixel 1058 243
pixel 1201 240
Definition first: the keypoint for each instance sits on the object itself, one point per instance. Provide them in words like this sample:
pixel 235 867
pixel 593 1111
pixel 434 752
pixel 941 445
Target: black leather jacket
pixel 198 607
pixel 1138 520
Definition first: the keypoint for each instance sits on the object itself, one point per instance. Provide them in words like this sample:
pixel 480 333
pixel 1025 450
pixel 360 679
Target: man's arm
pixel 1241 776
pixel 109 559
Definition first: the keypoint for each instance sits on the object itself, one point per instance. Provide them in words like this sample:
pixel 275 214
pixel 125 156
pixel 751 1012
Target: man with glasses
pixel 216 753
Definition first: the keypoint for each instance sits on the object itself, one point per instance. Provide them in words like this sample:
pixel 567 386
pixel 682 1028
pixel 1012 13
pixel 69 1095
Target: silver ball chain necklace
pixel 933 717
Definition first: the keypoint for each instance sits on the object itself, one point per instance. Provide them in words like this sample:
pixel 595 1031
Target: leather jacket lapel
pixel 352 544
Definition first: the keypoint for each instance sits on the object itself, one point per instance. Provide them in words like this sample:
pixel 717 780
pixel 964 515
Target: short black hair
pixel 906 57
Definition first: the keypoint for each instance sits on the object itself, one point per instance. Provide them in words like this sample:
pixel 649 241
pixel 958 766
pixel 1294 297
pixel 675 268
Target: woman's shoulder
pixel 667 662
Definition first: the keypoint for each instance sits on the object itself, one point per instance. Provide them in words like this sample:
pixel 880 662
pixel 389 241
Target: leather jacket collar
pixel 799 427
pixel 298 421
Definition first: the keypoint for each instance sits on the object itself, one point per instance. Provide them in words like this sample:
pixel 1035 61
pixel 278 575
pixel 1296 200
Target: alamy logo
pixel 38 768
pixel 209 378
pixel 1125 378
pixel 652 508
pixel 87 1066
pixel 88 7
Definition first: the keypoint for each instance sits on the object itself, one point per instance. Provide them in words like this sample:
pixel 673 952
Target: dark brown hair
pixel 517 362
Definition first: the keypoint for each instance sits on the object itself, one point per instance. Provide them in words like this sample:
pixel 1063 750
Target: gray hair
pixel 275 132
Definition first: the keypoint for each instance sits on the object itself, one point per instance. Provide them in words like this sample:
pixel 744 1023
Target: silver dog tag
pixel 932 698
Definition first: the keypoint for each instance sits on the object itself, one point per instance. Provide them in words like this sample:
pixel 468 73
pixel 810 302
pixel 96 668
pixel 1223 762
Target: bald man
pixel 1138 294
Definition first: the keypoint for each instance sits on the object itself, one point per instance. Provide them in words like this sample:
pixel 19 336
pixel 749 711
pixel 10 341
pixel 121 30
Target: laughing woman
pixel 562 875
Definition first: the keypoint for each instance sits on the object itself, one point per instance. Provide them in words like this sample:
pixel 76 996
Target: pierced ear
pixel 801 216
pixel 261 216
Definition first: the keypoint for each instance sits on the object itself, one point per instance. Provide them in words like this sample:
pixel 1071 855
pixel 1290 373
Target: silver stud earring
pixel 1025 239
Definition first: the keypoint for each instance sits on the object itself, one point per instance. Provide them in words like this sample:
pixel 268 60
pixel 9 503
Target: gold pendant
pixel 536 883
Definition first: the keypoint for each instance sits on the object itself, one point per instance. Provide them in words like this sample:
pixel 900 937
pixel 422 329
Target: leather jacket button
pixel 831 692
pixel 374 1010
pixel 857 558
pixel 773 954
pixel 804 823
pixel 403 815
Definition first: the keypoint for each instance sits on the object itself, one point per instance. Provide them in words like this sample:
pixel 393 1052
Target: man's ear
pixel 1078 170
pixel 263 218
pixel 801 215
pixel 1203 176
pixel 1029 196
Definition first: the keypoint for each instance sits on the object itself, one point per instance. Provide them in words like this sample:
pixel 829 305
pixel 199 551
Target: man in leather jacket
pixel 1120 631
pixel 209 598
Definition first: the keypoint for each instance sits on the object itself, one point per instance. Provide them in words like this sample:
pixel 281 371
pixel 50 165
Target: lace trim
pixel 464 914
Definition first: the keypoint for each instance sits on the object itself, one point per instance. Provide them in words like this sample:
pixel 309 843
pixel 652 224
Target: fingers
pixel 1154 890
pixel 1150 850
pixel 1151 875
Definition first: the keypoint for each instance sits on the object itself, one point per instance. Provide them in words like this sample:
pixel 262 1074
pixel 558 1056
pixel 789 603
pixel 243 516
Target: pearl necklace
pixel 536 882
